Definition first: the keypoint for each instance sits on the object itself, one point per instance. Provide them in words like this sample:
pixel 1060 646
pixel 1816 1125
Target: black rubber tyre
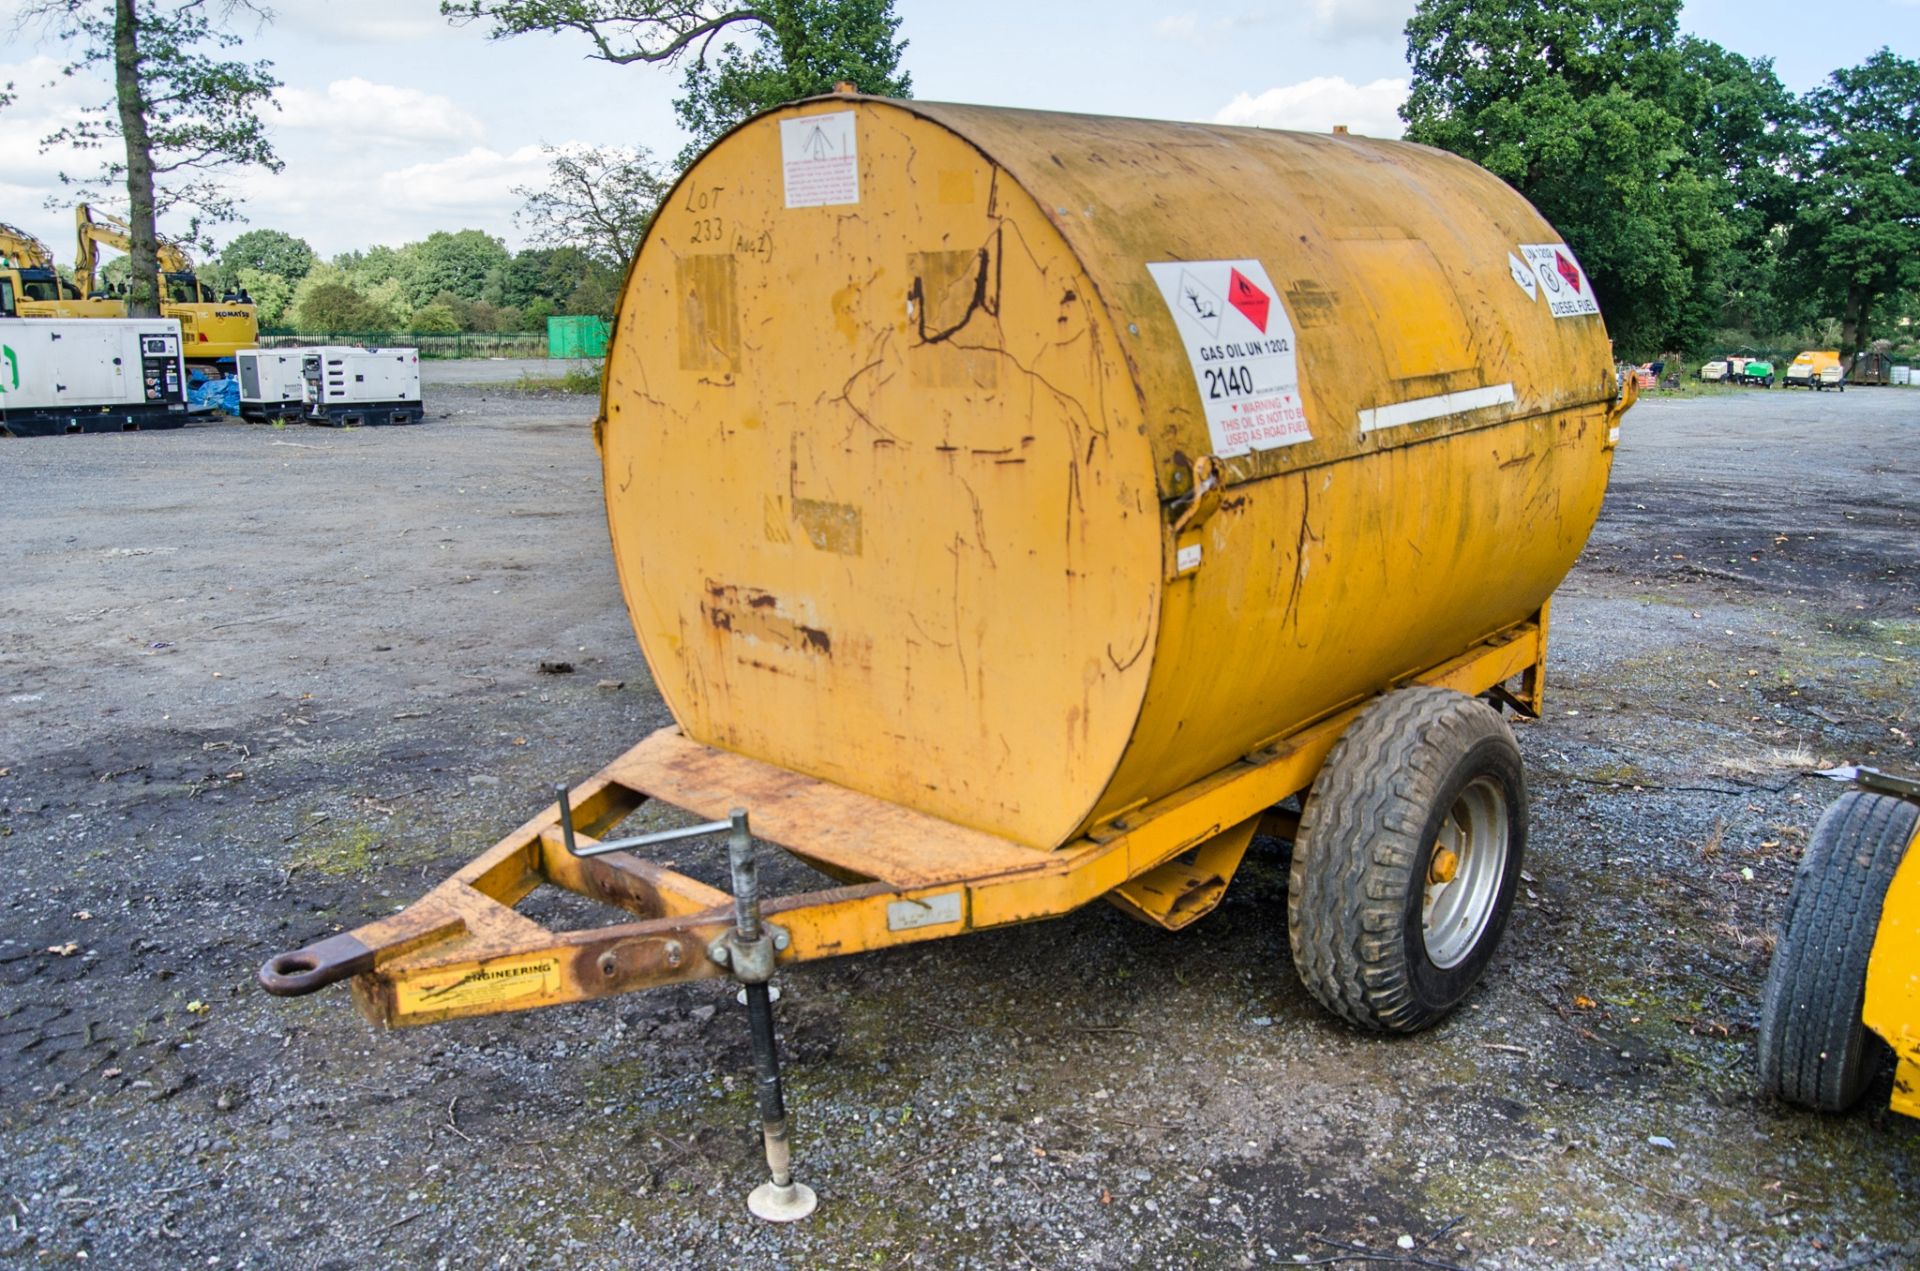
pixel 1363 861
pixel 1814 1049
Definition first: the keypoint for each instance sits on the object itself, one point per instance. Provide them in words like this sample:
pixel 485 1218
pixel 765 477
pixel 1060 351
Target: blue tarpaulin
pixel 222 395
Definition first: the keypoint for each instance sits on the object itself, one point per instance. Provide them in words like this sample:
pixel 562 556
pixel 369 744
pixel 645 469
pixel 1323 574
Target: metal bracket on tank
pixel 1205 500
pixel 1629 394
pixel 1185 548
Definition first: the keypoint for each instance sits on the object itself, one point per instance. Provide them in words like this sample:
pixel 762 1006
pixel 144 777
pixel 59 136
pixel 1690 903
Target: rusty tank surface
pixel 1019 468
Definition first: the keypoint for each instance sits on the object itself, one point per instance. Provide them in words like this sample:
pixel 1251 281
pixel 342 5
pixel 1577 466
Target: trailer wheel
pixel 1408 855
pixel 1814 1049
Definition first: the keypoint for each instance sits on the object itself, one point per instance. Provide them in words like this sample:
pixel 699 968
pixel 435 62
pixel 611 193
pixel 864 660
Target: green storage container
pixel 576 336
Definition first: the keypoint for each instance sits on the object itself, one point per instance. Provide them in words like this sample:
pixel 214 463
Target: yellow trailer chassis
pixel 463 950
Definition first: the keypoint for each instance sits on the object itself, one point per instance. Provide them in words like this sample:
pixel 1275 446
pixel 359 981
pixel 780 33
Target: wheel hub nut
pixel 1445 865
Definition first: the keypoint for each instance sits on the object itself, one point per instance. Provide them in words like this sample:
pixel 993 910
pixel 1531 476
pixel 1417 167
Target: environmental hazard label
pixel 1569 294
pixel 1240 344
pixel 821 159
pixel 488 984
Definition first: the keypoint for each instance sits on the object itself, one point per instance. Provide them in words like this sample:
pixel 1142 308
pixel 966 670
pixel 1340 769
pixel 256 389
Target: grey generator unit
pixel 271 386
pixel 354 388
pixel 74 375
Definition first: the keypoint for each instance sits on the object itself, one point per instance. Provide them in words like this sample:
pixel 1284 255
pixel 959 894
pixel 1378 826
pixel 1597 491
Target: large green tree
pixel 330 307
pixel 1650 151
pixel 800 48
pixel 1745 128
pixel 547 280
pixel 741 58
pixel 179 114
pixel 1855 244
pixel 461 263
pixel 269 251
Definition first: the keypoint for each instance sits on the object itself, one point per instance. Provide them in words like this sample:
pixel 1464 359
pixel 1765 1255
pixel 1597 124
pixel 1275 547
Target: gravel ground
pixel 261 684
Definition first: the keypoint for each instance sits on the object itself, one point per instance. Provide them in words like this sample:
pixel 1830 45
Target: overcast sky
pixel 394 124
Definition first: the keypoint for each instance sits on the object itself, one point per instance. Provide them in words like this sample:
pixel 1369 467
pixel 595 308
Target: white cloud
pixel 358 22
pixel 356 112
pixel 1317 104
pixel 47 102
pixel 1360 19
pixel 479 179
pixel 1330 20
pixel 1178 26
pixel 360 205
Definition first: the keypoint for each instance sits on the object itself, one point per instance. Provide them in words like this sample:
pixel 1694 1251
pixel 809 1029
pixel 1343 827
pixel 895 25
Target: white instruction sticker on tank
pixel 1569 294
pixel 821 159
pixel 1523 274
pixel 1240 344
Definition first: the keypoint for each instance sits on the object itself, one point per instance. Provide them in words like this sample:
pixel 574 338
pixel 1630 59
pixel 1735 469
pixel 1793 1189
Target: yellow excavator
pixel 26 270
pixel 211 328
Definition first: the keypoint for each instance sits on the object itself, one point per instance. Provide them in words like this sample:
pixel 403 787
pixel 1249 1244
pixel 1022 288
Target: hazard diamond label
pixel 1239 342
pixel 1569 293
pixel 1243 295
pixel 1568 270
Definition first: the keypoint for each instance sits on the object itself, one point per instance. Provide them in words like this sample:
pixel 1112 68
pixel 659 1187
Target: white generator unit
pixel 354 388
pixel 271 386
pixel 74 375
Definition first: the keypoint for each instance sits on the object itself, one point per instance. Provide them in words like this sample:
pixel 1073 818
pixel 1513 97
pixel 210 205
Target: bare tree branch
pixel 621 31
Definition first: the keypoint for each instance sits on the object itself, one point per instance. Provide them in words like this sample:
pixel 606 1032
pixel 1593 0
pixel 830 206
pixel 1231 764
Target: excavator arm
pixel 95 229
pixel 21 250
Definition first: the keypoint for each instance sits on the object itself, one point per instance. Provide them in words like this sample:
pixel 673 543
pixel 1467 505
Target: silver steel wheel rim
pixel 1455 911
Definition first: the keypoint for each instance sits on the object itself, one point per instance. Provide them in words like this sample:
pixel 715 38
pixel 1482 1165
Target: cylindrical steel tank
pixel 908 404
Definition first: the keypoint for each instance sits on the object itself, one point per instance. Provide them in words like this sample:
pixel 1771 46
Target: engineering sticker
pixel 1569 294
pixel 488 984
pixel 1240 344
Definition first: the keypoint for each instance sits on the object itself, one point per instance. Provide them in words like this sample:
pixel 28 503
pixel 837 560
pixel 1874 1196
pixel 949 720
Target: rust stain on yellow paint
pixel 831 527
pixel 709 313
pixel 776 520
pixel 844 319
pixel 754 615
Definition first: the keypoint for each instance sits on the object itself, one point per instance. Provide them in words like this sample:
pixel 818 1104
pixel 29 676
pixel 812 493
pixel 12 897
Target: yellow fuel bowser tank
pixel 1018 510
pixel 1020 468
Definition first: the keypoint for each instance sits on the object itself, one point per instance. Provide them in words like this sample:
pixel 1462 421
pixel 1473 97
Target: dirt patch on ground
pixel 257 685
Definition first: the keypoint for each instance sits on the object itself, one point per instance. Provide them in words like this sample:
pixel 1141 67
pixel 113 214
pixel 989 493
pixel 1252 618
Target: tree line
pixel 1707 203
pixel 449 282
pixel 1710 206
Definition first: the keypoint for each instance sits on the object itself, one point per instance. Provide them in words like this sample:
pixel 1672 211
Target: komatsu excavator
pixel 211 328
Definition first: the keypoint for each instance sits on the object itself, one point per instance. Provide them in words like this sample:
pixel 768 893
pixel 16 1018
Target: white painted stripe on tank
pixel 1412 412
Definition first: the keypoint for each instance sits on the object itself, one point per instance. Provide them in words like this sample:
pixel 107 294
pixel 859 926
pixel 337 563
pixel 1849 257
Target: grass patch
pixel 582 381
pixel 1778 760
pixel 348 852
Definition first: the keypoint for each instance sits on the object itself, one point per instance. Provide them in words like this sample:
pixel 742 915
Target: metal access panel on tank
pixel 91 375
pixel 356 387
pixel 271 385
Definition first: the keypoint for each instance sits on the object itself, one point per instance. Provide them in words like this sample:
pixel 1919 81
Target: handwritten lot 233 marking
pixel 707 228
